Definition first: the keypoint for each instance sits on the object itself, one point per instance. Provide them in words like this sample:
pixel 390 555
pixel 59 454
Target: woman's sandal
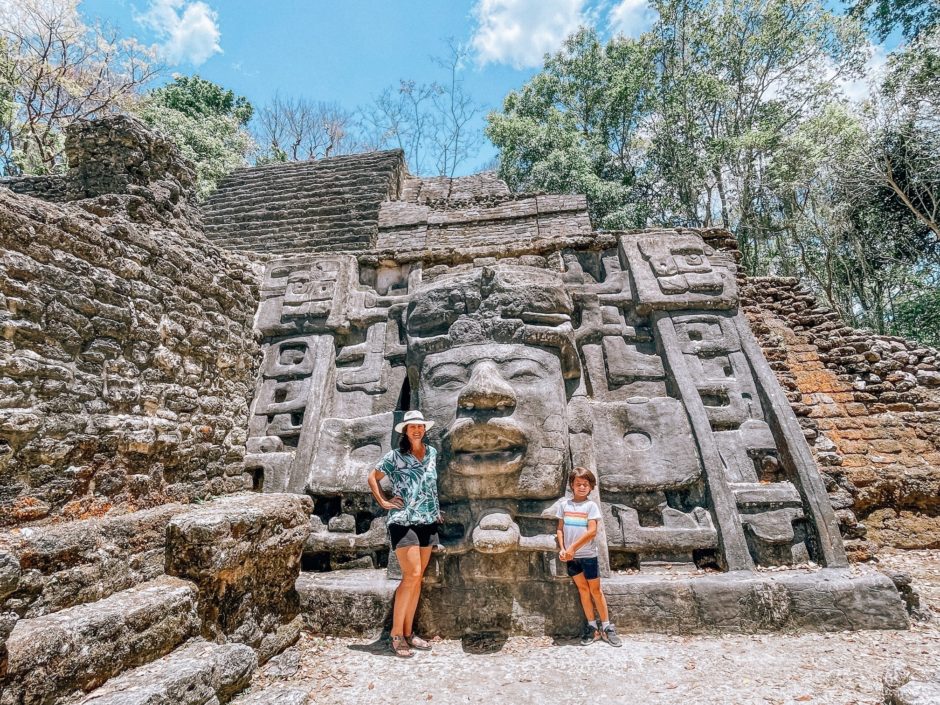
pixel 398 645
pixel 416 642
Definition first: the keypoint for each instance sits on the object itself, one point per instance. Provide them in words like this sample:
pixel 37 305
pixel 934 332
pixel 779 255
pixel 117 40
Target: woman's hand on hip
pixel 393 503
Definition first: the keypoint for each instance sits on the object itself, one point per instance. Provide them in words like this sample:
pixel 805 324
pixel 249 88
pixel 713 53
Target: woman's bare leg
pixel 406 596
pixel 408 626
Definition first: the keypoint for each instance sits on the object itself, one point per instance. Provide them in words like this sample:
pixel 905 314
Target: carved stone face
pixel 501 420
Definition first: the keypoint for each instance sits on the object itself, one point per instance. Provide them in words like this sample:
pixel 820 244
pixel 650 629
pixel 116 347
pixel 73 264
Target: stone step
pixel 285 195
pixel 354 602
pixel 336 221
pixel 278 242
pixel 63 565
pixel 300 246
pixel 285 192
pixel 296 206
pixel 198 673
pixel 365 162
pixel 287 232
pixel 276 694
pixel 79 648
pixel 376 173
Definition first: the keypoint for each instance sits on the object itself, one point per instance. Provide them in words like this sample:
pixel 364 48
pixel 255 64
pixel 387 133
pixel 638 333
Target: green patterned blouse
pixel 415 481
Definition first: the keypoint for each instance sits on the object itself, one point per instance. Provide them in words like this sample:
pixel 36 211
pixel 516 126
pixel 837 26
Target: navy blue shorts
pixel 588 566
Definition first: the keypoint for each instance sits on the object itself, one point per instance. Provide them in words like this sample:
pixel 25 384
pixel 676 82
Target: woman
pixel 413 513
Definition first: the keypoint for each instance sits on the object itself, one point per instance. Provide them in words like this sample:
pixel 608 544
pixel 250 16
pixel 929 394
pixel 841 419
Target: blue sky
pixel 348 51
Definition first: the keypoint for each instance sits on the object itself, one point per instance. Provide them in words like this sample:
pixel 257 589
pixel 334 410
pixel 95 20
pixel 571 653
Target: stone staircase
pixel 176 605
pixel 316 206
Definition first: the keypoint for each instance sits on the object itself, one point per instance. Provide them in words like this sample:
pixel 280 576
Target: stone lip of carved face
pixel 492 447
pixel 501 410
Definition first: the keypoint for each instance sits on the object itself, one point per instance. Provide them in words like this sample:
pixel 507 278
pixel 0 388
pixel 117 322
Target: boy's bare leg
pixel 584 592
pixel 597 595
pixel 408 625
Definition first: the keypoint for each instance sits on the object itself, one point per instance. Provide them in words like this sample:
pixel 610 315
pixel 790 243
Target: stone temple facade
pixel 535 344
pixel 192 397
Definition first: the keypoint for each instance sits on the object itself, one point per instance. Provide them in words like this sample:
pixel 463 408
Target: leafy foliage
pixel 206 121
pixel 729 113
pixel 913 18
pixel 197 97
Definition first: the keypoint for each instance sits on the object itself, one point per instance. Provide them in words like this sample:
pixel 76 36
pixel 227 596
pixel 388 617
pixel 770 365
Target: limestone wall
pixel 869 403
pixel 127 360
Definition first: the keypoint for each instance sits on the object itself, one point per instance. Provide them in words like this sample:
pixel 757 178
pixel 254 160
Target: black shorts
pixel 422 535
pixel 588 566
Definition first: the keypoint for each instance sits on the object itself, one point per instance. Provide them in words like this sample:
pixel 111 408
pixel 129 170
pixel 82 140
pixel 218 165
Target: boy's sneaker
pixel 588 635
pixel 609 634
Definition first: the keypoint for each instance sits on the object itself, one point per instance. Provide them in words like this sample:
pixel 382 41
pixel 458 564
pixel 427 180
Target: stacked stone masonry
pixel 127 360
pixel 117 607
pixel 870 406
pixel 331 204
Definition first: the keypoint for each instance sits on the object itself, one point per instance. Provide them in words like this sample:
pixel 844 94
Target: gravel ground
pixel 826 669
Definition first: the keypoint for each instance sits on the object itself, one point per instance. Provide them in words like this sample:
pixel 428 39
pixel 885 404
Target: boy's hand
pixel 564 555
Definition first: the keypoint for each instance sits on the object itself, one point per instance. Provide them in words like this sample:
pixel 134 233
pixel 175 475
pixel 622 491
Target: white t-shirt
pixel 576 516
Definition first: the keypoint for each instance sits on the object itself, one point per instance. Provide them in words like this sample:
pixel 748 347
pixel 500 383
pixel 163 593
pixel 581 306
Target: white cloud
pixel 631 17
pixel 189 30
pixel 521 32
pixel 859 89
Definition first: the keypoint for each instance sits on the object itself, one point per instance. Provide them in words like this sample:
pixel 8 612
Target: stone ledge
pixel 358 601
pixel 200 673
pixel 243 552
pixel 346 603
pixel 277 694
pixel 81 647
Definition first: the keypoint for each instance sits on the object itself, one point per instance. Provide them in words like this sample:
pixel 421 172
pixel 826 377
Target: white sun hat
pixel 412 417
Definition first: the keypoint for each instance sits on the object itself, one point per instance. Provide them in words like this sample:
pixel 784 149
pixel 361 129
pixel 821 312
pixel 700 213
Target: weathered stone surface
pixel 357 602
pixel 349 602
pixel 83 561
pixel 127 359
pixel 902 688
pixel 277 694
pixel 199 673
pixel 867 404
pixel 81 647
pixel 328 204
pixel 243 551
pixel 626 354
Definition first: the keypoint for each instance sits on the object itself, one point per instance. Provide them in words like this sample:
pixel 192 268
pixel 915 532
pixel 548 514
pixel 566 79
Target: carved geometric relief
pixel 712 354
pixel 346 450
pixel 305 293
pixel 371 375
pixel 644 444
pixel 672 272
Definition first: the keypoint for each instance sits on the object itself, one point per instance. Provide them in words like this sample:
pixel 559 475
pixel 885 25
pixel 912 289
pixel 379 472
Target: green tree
pixel 576 127
pixel 678 127
pixel 56 69
pixel 912 17
pixel 196 97
pixel 206 121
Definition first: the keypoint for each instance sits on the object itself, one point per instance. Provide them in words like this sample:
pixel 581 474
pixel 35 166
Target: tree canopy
pixel 732 113
pixel 206 121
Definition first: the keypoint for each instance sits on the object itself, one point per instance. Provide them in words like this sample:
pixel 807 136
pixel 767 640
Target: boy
pixel 577 529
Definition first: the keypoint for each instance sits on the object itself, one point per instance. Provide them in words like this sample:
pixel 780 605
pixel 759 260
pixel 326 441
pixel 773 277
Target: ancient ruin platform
pixel 359 602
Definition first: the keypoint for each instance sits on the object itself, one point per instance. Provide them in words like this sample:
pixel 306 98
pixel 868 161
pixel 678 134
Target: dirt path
pixel 826 669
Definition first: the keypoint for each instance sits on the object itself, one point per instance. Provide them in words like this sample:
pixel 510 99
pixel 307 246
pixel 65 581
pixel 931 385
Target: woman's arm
pixel 375 477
